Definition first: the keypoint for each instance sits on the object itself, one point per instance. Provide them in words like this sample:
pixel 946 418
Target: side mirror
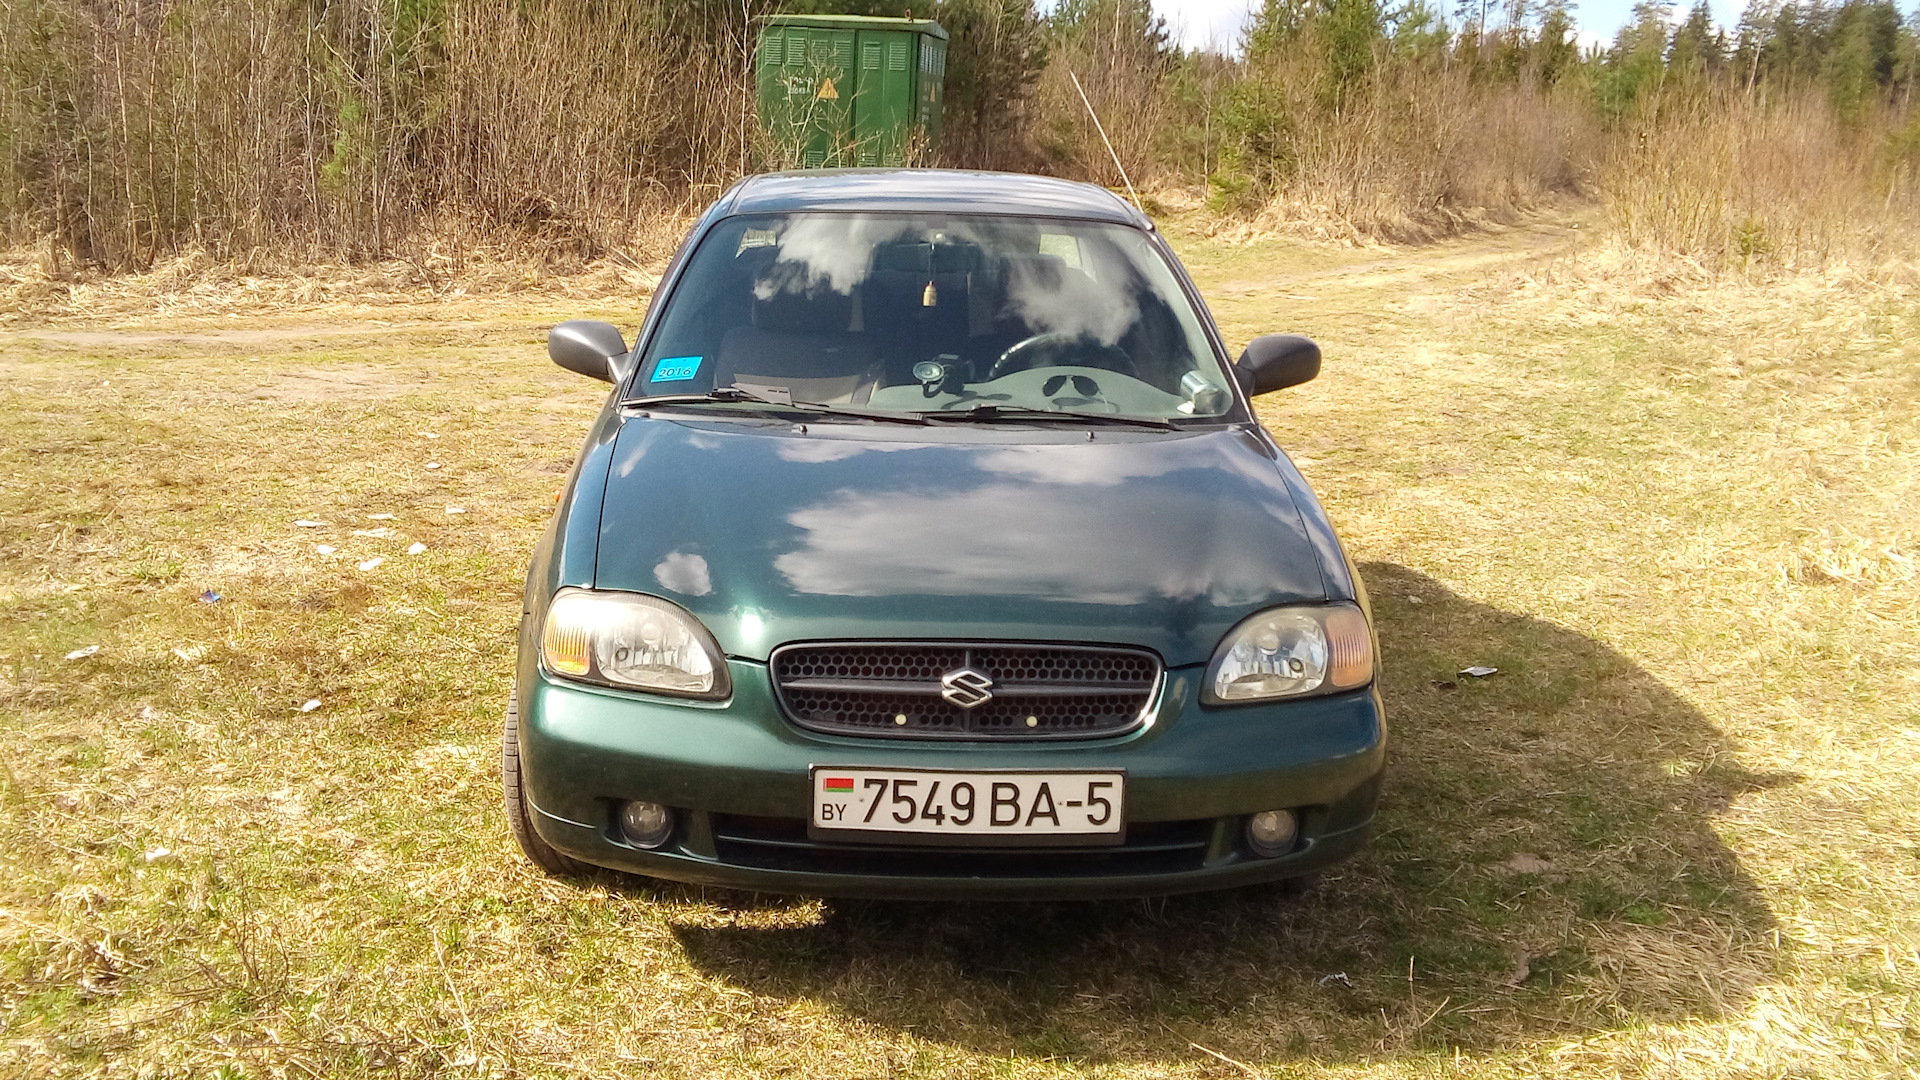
pixel 588 347
pixel 1275 362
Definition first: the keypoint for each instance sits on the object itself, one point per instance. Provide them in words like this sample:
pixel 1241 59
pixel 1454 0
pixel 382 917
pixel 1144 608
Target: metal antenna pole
pixel 1099 127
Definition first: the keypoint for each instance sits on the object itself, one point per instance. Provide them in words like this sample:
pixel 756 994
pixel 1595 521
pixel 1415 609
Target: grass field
pixel 1677 835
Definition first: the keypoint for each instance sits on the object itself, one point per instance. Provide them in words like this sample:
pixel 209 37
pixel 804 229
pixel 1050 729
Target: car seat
pixel 805 341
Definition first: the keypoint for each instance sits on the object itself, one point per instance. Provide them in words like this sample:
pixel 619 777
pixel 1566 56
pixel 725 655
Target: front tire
pixel 519 814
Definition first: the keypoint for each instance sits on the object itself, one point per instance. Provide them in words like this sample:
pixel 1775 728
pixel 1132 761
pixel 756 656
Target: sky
pixel 1202 22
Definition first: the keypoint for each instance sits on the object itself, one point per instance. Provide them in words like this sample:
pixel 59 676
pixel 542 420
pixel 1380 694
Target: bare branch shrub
pixel 1735 179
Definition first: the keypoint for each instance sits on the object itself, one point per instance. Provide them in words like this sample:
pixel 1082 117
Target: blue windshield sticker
pixel 676 368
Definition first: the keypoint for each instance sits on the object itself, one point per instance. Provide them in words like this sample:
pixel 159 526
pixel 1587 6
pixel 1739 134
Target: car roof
pixel 953 191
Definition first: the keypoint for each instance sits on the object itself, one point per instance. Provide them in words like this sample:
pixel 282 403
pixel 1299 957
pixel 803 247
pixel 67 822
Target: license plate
pixel 938 805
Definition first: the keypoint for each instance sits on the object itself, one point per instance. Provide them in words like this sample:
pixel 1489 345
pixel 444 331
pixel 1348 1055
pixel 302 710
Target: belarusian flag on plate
pixel 837 783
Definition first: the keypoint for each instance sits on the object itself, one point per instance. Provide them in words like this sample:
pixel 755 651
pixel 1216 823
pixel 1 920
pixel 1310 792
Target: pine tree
pixel 1636 65
pixel 1696 51
pixel 1751 37
pixel 1862 54
pixel 1351 29
pixel 1555 51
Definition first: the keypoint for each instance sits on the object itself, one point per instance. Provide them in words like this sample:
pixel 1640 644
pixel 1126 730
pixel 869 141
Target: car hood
pixel 775 532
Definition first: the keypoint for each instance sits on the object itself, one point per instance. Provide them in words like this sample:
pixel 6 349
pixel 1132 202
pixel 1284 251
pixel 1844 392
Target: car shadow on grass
pixel 1545 866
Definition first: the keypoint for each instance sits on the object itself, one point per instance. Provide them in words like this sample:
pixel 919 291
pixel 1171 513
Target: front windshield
pixel 902 313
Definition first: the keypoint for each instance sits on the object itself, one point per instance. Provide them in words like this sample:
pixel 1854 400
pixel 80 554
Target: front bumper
pixel 737 775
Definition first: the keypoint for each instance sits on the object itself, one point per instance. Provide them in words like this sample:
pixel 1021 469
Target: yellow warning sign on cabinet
pixel 826 91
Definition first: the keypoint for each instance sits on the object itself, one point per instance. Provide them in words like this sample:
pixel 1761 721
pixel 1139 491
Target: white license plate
pixel 1020 807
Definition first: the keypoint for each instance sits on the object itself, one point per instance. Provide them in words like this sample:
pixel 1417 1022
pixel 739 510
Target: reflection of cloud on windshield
pixel 835 251
pixel 826 249
pixel 1078 544
pixel 1059 298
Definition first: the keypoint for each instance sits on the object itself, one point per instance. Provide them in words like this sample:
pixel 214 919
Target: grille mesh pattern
pixel 1038 691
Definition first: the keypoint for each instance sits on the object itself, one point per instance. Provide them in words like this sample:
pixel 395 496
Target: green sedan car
pixel 928 546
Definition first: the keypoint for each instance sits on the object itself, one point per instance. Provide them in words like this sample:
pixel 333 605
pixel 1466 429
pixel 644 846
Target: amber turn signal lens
pixel 567 647
pixel 1349 648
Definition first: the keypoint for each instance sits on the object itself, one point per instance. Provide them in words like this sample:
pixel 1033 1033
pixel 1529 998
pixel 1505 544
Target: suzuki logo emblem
pixel 966 687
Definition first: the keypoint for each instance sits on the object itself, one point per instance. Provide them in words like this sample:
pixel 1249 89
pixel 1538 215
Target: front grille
pixel 895 689
pixel 768 843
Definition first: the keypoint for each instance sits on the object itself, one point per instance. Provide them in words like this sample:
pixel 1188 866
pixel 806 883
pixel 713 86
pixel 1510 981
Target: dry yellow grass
pixel 1738 182
pixel 41 287
pixel 1675 837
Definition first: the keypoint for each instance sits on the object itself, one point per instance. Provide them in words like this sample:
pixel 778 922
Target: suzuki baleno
pixel 928 547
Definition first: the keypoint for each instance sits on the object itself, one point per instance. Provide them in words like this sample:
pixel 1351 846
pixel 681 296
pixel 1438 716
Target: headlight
pixel 1291 651
pixel 631 641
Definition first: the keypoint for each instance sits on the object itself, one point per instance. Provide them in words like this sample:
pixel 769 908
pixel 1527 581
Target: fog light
pixel 1272 832
pixel 645 824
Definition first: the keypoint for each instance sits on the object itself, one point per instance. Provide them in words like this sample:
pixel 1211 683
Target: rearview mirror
pixel 1275 362
pixel 588 347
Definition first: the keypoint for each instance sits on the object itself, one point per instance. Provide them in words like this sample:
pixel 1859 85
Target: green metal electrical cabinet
pixel 845 90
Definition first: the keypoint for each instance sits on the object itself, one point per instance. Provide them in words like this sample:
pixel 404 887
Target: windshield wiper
pixel 728 395
pixel 1023 413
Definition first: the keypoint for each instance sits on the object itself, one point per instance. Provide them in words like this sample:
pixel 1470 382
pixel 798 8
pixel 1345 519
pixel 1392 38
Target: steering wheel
pixel 1022 354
